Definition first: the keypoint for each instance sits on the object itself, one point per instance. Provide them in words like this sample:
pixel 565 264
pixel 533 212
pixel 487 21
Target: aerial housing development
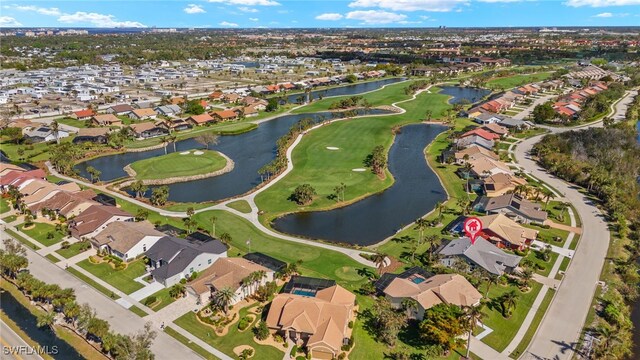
pixel 254 179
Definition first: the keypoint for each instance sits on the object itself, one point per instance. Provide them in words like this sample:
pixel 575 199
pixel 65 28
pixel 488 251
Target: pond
pixel 59 349
pixel 468 95
pixel 415 192
pixel 250 151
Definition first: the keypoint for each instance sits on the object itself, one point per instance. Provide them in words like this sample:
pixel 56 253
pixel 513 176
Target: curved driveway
pixel 560 329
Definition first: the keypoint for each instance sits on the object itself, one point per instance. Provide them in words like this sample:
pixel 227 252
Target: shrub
pixel 183 281
pixel 261 331
pixel 50 236
pixel 350 324
pixel 120 266
pixel 244 322
pixel 63 245
pixel 294 349
pixel 277 338
pixel 150 300
pixel 342 356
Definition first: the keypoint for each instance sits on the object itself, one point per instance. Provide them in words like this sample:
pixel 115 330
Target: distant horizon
pixel 436 27
pixel 320 14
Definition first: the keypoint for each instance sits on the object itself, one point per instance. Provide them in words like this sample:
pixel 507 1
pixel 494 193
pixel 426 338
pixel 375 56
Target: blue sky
pixel 312 13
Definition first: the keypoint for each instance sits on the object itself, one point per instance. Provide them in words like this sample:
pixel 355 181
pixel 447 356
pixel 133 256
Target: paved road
pixel 13 346
pixel 560 329
pixel 121 320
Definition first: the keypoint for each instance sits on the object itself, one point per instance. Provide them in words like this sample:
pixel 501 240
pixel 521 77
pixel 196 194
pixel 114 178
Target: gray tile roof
pixel 515 204
pixel 482 253
pixel 475 140
pixel 177 254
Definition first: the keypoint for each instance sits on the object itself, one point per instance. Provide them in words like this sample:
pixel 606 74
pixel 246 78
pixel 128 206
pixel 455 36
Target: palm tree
pixel 47 319
pixel 165 142
pixel 508 300
pixel 547 195
pixel 431 239
pixel 223 297
pixel 55 129
pixel 526 275
pixel 410 306
pixel 491 280
pixel 440 206
pixel 472 315
pixel 421 224
pixel 608 337
pixel 173 139
pixel 378 259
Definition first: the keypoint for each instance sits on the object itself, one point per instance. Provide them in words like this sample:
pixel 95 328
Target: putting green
pixel 178 165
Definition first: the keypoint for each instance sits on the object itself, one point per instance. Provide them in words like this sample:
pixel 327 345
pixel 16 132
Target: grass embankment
pixel 324 169
pixel 21 239
pixel 178 165
pixel 4 206
pixel 509 82
pixel 162 299
pixel 94 284
pixel 74 249
pixel 240 205
pixel 537 319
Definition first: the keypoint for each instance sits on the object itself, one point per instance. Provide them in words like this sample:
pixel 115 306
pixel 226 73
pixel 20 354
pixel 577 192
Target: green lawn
pixel 240 205
pixel 509 82
pixel 528 336
pixel 74 249
pixel 52 258
pixel 537 260
pixel 324 169
pixel 554 211
pixel 227 343
pixel 193 346
pixel 164 298
pixel 32 153
pixel 40 232
pixel 136 310
pixel 316 262
pixel 4 205
pixel 9 219
pixel 178 165
pixel 122 279
pixel 94 284
pixel 390 94
pixel 21 239
pixel 505 329
pixel 74 122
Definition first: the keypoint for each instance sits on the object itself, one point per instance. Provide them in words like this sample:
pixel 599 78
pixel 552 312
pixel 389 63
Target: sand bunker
pixel 359 169
pixel 198 152
pixel 184 153
pixel 332 148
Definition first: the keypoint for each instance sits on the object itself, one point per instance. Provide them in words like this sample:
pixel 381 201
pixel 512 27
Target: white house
pixel 127 240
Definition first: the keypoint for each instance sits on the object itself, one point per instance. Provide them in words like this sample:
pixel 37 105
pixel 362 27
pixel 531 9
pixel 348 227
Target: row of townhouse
pixel 569 105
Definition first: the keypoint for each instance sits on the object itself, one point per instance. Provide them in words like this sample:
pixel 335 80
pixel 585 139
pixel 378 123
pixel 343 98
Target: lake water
pixel 43 336
pixel 472 95
pixel 250 151
pixel 346 90
pixel 414 193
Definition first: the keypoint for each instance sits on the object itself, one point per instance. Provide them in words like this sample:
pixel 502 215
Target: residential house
pixel 496 129
pixel 202 119
pixel 267 261
pixel 513 206
pixel 511 123
pixel 106 120
pixel 317 319
pixel 122 109
pixel 65 203
pixel 173 259
pixel 485 117
pixel 427 291
pixel 474 140
pixel 46 134
pixel 94 135
pixel 126 240
pixel 86 114
pixel 224 115
pixel 12 177
pixel 6 168
pixel 486 166
pixel 37 190
pixel 482 254
pixel 168 110
pixel 506 233
pixel 95 219
pixel 472 153
pixel 147 130
pixel 249 111
pixel 501 183
pixel 230 273
pixel 176 124
pixel 487 135
pixel 143 114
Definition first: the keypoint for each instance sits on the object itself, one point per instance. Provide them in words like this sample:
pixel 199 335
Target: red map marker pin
pixel 472 227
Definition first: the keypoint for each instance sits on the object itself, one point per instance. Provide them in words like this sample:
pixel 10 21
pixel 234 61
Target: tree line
pixel 61 308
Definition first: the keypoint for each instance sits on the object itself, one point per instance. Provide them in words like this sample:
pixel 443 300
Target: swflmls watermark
pixel 30 350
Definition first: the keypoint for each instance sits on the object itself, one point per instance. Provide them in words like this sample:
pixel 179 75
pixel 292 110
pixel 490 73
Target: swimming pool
pixel 303 292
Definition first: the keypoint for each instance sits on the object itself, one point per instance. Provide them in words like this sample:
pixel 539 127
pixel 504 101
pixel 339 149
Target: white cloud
pixel 254 19
pixel 604 15
pixel 228 24
pixel 247 2
pixel 194 9
pixel 424 17
pixel 7 21
pixel 329 16
pixel 247 9
pixel 411 5
pixel 601 3
pixel 97 20
pixel 40 10
pixel 375 16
